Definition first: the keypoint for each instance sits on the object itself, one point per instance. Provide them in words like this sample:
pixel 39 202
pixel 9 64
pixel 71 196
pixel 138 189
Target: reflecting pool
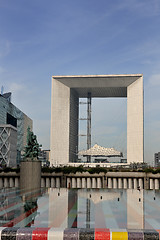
pixel 80 208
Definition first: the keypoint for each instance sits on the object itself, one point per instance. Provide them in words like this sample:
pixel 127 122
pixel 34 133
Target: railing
pixel 9 179
pixel 115 180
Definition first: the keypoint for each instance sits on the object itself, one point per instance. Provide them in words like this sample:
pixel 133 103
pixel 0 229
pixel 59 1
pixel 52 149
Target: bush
pixel 70 169
pixel 97 170
pixel 9 169
pixel 57 169
pixel 110 169
pixel 80 169
pixel 17 170
pixel 46 170
pixel 148 170
pixel 67 170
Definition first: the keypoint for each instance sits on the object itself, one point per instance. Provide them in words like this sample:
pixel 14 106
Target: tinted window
pixel 11 120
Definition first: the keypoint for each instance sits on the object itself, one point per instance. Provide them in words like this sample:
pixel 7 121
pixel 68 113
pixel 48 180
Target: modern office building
pixel 157 159
pixel 13 127
pixel 44 157
pixel 8 145
pixel 66 91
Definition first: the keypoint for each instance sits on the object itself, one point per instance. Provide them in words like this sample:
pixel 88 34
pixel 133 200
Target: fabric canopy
pixel 97 150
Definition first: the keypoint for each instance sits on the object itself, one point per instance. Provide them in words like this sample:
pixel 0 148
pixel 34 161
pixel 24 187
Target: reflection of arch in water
pixel 135 209
pixel 98 195
pixel 58 207
pixel 70 208
pixel 94 197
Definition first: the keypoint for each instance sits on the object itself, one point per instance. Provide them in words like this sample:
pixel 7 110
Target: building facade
pixel 157 159
pixel 8 145
pixel 66 91
pixel 44 157
pixel 15 119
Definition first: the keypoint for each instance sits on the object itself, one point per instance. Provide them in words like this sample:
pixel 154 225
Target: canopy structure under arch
pixel 98 151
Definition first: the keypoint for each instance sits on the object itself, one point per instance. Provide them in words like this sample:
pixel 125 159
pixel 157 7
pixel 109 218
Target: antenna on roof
pixel 2 89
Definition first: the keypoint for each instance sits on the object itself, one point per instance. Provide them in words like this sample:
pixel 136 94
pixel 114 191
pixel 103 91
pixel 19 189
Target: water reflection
pixel 83 208
pixel 135 209
pixel 102 208
pixel 7 210
pixel 30 206
pixel 18 208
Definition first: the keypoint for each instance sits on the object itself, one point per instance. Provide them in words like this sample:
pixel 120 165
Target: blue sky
pixel 39 39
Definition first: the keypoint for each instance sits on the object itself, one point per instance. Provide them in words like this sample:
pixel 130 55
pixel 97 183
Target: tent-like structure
pixel 98 151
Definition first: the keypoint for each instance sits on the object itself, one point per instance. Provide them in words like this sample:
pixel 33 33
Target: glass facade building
pixel 11 115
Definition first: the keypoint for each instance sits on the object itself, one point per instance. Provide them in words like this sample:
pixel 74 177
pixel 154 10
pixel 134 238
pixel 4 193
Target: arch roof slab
pixel 99 85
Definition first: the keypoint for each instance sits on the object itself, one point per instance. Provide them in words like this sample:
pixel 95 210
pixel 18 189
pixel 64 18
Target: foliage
pixel 92 170
pixel 71 169
pixel 152 170
pixel 17 170
pixel 47 170
pixel 9 169
pixel 97 170
pixel 110 169
pixel 148 170
pixel 65 169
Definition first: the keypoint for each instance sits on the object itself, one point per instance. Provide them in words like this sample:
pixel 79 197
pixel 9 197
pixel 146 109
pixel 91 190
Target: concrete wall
pixel 73 125
pixel 135 146
pixel 30 175
pixel 60 122
pixel 64 123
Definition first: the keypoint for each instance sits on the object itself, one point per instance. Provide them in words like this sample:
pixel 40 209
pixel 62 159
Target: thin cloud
pixel 2 70
pixel 4 48
pixel 145 8
pixel 154 80
pixel 16 87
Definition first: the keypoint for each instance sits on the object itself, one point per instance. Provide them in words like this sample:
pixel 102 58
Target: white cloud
pixel 21 95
